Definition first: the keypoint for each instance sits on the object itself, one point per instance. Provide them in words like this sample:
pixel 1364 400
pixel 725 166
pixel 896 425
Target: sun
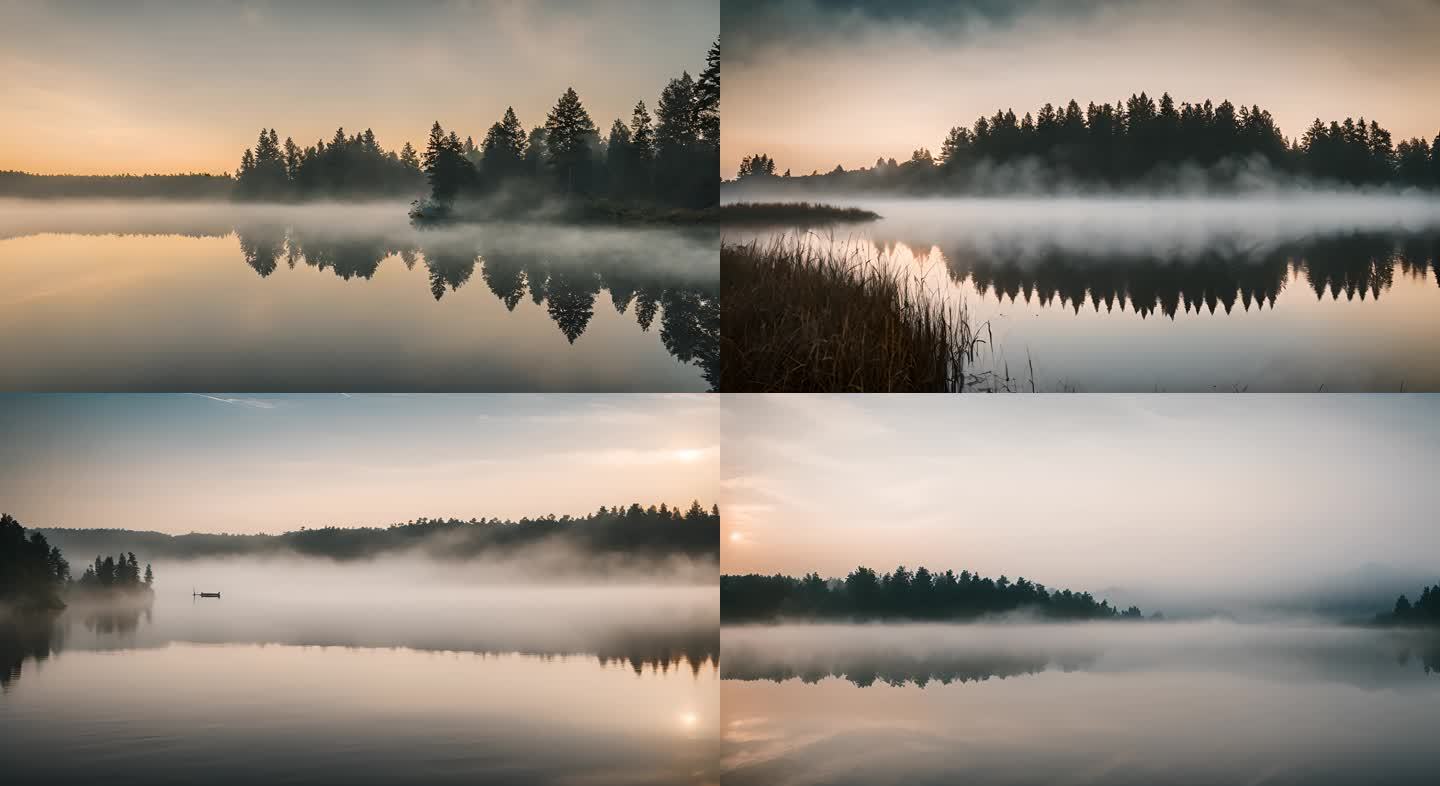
pixel 689 720
pixel 689 455
pixel 737 537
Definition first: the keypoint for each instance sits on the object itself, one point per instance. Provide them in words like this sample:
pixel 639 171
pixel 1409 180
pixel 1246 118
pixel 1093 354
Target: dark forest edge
pixel 794 213
pixel 904 595
pixel 653 532
pixel 1425 611
pixel 799 319
pixel 35 576
pixel 1135 143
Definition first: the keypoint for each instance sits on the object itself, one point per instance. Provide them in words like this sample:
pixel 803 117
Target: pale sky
pixel 862 79
pixel 1088 491
pixel 111 86
pixel 246 463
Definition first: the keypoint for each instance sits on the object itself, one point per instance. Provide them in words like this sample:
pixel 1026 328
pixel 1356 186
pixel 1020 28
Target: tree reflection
pixel 1354 267
pixel 26 637
pixel 39 637
pixel 894 669
pixel 571 299
pixel 567 286
pixel 448 270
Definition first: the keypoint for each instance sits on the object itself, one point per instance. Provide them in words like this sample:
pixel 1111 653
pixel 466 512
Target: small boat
pixel 204 594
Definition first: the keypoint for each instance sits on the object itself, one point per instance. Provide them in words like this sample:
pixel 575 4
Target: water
pixel 1137 703
pixel 196 297
pixel 1293 294
pixel 285 682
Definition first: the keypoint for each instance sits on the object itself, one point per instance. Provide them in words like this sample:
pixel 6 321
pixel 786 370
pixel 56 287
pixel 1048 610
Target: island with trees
pixel 35 576
pixel 905 595
pixel 1137 142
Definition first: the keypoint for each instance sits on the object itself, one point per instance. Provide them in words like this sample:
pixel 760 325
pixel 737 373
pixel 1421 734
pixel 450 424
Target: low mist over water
pixel 406 671
pixel 1142 702
pixel 1278 291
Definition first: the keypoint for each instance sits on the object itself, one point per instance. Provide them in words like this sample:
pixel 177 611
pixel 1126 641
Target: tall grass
pixel 799 317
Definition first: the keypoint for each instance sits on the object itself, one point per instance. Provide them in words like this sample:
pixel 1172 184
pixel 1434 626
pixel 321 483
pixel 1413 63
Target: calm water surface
pixel 563 686
pixel 1289 295
pixel 194 297
pixel 1147 703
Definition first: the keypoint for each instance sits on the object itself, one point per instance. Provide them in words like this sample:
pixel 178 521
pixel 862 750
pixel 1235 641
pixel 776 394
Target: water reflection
pixel 502 686
pixel 1339 310
pixel 689 642
pixel 1143 703
pixel 669 276
pixel 922 654
pixel 566 288
pixel 1349 267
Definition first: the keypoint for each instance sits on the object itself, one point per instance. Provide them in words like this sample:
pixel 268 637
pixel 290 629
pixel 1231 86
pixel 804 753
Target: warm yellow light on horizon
pixel 689 455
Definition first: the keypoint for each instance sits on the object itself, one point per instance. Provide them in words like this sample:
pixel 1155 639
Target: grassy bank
pixel 798 213
pixel 797 319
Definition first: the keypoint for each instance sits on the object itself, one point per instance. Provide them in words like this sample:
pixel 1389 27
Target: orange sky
pixel 93 87
pixel 820 90
pixel 253 463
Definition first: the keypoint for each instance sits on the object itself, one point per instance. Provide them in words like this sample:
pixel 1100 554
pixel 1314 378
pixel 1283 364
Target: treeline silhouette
pixel 903 594
pixel 35 576
pixel 568 289
pixel 353 166
pixel 118 574
pixel 642 532
pixel 1356 266
pixel 671 159
pixel 33 573
pixel 1425 610
pixel 1134 141
pixel 188 186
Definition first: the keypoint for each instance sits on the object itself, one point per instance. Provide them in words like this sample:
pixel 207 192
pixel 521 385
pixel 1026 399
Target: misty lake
pixel 342 682
pixel 1285 293
pixel 203 297
pixel 1113 703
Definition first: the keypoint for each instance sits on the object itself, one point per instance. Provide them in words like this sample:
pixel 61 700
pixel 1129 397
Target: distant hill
pixel 186 186
pixel 655 532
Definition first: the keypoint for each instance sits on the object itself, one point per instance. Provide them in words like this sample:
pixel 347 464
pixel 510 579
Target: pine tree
pixel 569 132
pixel 503 149
pixel 408 157
pixel 707 98
pixel 439 165
pixel 619 159
pixel 292 158
pixel 536 152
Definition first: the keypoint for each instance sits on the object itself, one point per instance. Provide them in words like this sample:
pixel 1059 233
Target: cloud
pixel 254 403
pixel 636 457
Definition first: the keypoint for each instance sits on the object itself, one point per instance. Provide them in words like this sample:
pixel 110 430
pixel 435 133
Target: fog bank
pixel 1296 650
pixel 1020 229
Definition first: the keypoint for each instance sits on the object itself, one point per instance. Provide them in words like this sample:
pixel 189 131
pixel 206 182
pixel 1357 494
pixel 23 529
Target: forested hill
pixel 653 532
pixel 905 595
pixel 191 186
pixel 1135 142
